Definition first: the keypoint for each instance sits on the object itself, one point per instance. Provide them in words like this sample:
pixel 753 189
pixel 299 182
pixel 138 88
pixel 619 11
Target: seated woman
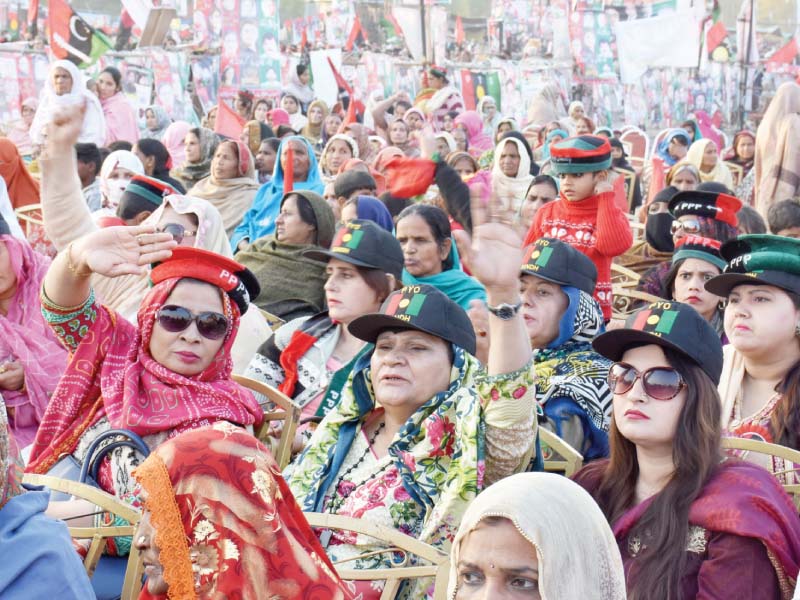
pixel 657 246
pixel 38 557
pixel 562 318
pixel 696 261
pixel 683 176
pixel 430 256
pixel 670 150
pixel 704 155
pixel 156 160
pixel 259 221
pixel 688 525
pixel 292 282
pixel 762 362
pixel 170 373
pixel 310 358
pixel 156 121
pixel 243 537
pixel 231 185
pixel 420 429
pixel 31 358
pixel 368 208
pixel 511 172
pixel 200 144
pixel 543 189
pixel 564 549
pixel 118 169
pixel 339 149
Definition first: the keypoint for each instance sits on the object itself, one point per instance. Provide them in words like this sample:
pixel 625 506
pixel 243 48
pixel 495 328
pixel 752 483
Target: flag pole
pixel 746 64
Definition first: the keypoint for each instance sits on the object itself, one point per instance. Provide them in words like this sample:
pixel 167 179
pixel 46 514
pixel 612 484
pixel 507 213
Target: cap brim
pixel 582 287
pixel 614 343
pixel 326 255
pixel 369 327
pixel 721 285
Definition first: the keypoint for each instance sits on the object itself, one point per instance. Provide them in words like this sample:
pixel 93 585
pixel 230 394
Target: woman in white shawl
pixel 548 531
pixel 511 171
pixel 487 109
pixel 65 85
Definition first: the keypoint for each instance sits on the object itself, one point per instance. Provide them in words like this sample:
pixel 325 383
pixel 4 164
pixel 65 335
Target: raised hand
pixel 64 128
pixel 496 253
pixel 116 251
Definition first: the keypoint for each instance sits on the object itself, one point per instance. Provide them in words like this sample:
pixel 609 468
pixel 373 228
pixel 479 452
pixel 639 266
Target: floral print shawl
pixel 442 454
pixel 227 525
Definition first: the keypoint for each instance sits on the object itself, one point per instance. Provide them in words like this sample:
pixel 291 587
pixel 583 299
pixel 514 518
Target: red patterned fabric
pixel 112 374
pixel 227 525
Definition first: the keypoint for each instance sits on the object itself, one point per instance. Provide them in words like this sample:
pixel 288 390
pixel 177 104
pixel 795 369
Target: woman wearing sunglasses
pixel 310 358
pixel 170 373
pixel 760 385
pixel 688 524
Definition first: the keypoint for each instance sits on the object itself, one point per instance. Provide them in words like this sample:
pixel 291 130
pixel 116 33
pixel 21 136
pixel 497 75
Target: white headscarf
pixel 504 186
pixel 112 188
pixel 94 123
pixel 577 554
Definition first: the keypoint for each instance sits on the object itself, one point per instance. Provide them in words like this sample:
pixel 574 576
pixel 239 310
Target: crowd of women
pixel 431 291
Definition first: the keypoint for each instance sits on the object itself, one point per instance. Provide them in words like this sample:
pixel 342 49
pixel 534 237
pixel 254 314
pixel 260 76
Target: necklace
pixel 339 498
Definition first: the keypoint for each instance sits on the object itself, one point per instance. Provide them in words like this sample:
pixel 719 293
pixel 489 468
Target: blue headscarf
pixel 663 146
pixel 549 139
pixel 259 220
pixel 372 209
pixel 453 283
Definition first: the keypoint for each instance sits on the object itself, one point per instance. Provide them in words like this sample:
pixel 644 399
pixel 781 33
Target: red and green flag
pixel 72 38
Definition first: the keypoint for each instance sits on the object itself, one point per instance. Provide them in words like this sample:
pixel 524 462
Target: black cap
pixel 420 307
pixel 671 325
pixel 4 228
pixel 352 180
pixel 713 205
pixel 557 261
pixel 666 194
pixel 759 259
pixel 364 244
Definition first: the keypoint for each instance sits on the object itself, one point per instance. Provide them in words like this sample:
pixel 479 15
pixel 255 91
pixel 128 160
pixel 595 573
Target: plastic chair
pixel 30 216
pixel 640 147
pixel 788 455
pixel 657 140
pixel 438 567
pixel 624 277
pixel 559 456
pixel 134 569
pixel 287 412
pixel 626 300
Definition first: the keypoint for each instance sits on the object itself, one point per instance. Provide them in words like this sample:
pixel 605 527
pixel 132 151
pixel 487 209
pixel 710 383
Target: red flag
pixel 357 34
pixel 304 38
pixel 33 16
pixel 715 36
pixel 785 55
pixel 350 117
pixel 288 172
pixel 459 31
pixel 345 91
pixel 228 123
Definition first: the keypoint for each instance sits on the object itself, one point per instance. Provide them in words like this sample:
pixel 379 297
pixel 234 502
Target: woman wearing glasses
pixel 688 525
pixel 170 373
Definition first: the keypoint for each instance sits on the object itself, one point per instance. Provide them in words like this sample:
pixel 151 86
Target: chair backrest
pixel 735 446
pixel 559 456
pixel 30 215
pixel 626 300
pixel 438 566
pixel 640 146
pixel 273 322
pixel 658 139
pixel 623 277
pixel 286 411
pixel 99 535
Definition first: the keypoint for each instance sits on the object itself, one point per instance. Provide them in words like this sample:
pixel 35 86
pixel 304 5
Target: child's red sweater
pixel 595 226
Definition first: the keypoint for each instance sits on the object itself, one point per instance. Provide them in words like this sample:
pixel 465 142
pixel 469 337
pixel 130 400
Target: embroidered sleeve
pixel 70 324
pixel 509 412
pixel 734 563
pixel 266 371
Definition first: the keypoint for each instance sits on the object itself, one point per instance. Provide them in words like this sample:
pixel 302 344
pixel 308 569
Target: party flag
pixel 72 38
pixel 288 172
pixel 228 123
pixel 357 35
pixel 460 37
pixel 785 54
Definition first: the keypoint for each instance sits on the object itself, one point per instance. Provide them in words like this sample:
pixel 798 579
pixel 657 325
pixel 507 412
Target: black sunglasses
pixel 660 383
pixel 211 325
pixel 177 231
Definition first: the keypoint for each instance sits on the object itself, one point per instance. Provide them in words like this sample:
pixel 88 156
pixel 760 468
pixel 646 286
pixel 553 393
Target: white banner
pixel 671 40
pixel 324 82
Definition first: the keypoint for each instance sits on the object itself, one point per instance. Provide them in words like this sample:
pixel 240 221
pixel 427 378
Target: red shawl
pixel 112 375
pixel 227 525
pixel 739 499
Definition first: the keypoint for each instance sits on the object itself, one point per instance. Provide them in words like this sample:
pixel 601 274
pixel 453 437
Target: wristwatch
pixel 504 311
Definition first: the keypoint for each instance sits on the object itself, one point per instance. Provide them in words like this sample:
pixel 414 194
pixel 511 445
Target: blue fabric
pixel 38 558
pixel 374 210
pixel 453 283
pixel 549 139
pixel 259 220
pixel 566 327
pixel 663 146
pixel 595 440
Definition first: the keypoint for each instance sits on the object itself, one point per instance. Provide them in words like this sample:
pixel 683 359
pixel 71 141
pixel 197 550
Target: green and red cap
pixel 581 154
pixel 702 248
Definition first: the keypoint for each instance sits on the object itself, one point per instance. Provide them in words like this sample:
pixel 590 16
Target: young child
pixel 585 214
pixel 784 218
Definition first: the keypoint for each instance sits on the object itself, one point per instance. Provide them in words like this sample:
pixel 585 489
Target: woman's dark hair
pixel 150 147
pixel 262 101
pixel 378 282
pixel 693 125
pixel 284 130
pixel 782 215
pixel 119 145
pixel 437 222
pixel 89 153
pixel 543 180
pixel 300 69
pixel 750 221
pixel 272 142
pixel 305 211
pixel 785 420
pixel 668 286
pixel 534 170
pixel 115 75
pixel 395 205
pixel 453 114
pixel 664 526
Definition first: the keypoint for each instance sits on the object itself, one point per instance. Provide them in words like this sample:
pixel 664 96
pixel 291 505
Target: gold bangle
pixel 71 266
